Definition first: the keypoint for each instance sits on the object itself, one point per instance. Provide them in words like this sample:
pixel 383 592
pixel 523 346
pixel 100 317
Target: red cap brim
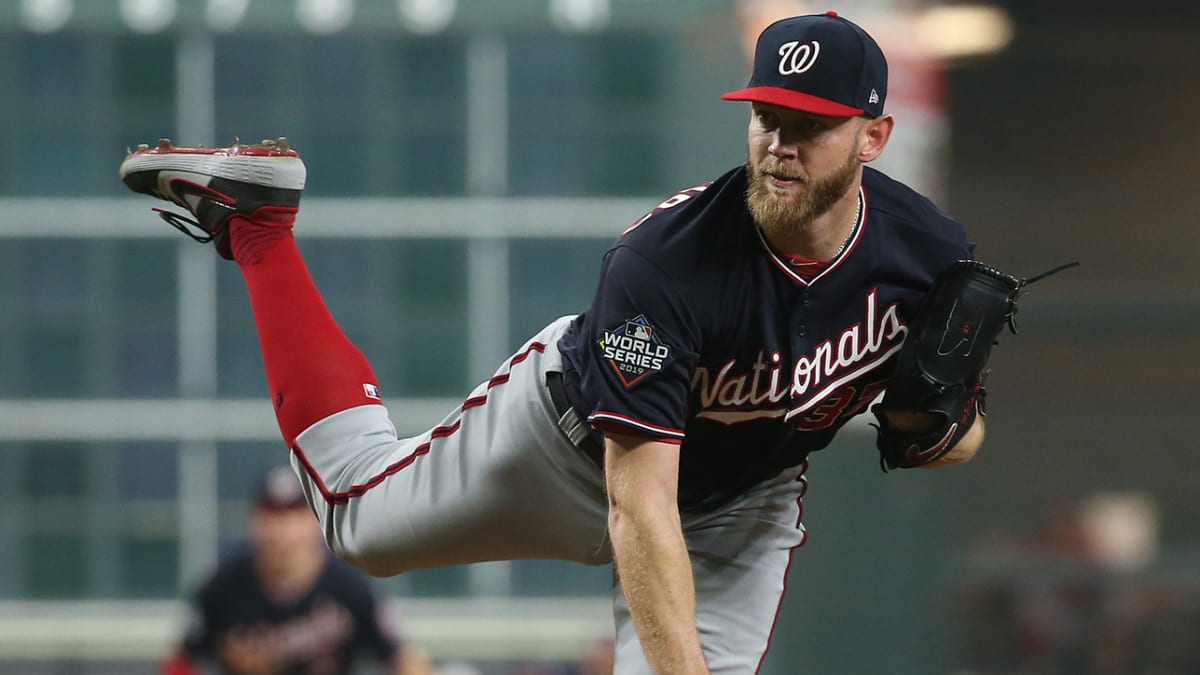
pixel 794 100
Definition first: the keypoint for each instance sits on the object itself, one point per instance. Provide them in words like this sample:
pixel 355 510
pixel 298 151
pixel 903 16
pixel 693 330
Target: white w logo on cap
pixel 795 58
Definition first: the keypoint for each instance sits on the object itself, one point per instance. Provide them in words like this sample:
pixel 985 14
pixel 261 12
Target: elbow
pixel 618 518
pixel 623 522
pixel 632 517
pixel 642 484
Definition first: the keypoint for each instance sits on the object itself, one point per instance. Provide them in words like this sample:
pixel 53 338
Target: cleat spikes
pixel 164 144
pixel 142 147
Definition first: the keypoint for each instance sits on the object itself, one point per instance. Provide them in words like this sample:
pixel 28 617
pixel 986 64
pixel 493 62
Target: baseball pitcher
pixel 735 328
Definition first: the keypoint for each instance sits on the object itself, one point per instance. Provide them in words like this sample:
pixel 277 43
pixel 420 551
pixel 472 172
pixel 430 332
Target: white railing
pixel 501 629
pixel 469 218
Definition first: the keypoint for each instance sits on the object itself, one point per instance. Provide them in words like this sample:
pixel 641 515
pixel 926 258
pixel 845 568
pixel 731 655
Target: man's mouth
pixel 783 180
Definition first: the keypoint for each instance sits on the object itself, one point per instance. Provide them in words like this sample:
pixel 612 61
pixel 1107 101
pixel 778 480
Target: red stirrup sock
pixel 313 370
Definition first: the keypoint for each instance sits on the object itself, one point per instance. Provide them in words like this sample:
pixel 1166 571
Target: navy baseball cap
pixel 818 63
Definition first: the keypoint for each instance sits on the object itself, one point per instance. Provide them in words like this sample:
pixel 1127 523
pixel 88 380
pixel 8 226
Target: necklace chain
pixel 853 226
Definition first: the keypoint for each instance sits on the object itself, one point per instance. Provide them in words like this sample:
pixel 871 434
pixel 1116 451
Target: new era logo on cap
pixel 818 63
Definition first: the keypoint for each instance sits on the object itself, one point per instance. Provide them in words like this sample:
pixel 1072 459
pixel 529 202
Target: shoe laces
pixel 186 225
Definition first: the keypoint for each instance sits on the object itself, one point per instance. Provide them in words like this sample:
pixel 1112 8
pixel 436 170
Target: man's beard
pixel 788 215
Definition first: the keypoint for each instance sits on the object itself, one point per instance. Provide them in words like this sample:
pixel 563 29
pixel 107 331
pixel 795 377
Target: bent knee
pixel 377 561
pixel 373 565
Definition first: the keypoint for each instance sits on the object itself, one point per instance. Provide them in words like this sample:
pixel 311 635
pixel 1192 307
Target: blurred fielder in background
pixel 285 607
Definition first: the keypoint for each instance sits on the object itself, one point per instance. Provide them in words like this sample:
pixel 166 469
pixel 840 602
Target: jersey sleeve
pixel 638 347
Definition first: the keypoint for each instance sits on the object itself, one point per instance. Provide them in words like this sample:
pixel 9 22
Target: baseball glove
pixel 942 365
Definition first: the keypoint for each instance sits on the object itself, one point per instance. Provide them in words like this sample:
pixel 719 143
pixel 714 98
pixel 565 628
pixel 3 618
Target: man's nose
pixel 782 147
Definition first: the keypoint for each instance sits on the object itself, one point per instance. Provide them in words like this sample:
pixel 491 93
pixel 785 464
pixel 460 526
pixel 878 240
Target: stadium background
pixel 467 169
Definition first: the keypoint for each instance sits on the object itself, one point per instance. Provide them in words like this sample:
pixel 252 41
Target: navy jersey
pixel 701 335
pixel 322 631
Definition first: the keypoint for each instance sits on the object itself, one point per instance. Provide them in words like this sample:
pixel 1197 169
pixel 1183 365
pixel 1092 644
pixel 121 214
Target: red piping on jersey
pixel 859 228
pixel 787 568
pixel 422 449
pixel 674 435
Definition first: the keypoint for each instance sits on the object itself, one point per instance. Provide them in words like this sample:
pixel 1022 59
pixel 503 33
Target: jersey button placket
pixel 800 326
pixel 800 342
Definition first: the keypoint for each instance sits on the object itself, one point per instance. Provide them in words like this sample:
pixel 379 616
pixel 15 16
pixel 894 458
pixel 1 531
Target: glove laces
pixel 1011 318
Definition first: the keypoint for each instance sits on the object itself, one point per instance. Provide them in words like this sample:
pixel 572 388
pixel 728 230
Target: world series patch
pixel 635 350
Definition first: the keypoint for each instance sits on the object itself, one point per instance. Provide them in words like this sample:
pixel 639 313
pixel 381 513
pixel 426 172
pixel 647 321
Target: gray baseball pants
pixel 498 479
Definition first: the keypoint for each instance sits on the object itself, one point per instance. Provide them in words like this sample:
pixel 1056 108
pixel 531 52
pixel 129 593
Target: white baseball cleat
pixel 215 184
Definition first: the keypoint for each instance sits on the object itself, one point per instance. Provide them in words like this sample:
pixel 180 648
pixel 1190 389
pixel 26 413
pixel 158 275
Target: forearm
pixel 656 576
pixel 651 556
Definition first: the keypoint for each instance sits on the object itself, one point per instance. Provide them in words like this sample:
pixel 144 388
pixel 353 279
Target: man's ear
pixel 875 135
